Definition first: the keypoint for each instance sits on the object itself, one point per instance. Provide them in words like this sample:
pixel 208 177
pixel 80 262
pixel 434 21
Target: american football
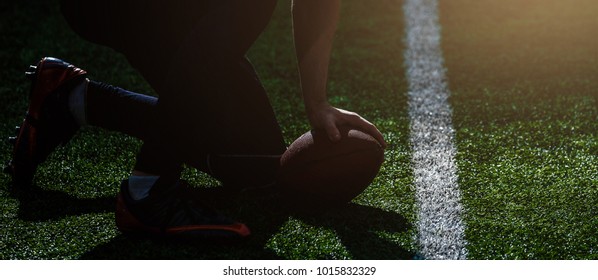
pixel 317 173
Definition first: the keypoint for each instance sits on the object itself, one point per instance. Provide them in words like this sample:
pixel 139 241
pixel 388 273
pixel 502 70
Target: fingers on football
pixel 364 125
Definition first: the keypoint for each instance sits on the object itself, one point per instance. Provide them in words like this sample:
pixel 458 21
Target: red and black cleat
pixel 171 211
pixel 48 121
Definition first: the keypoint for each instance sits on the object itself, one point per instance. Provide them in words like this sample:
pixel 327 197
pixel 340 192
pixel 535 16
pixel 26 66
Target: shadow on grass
pixel 37 204
pixel 357 226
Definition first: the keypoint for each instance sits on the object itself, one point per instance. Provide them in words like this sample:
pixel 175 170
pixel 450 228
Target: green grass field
pixel 524 83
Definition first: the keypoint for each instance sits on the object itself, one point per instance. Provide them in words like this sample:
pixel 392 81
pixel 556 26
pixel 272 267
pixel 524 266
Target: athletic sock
pixel 140 186
pixel 77 102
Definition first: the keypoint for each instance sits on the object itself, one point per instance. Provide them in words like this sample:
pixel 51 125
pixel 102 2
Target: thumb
pixel 333 133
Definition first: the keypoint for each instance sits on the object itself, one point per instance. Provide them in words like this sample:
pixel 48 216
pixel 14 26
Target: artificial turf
pixel 524 83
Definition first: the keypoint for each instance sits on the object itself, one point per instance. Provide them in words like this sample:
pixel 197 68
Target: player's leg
pixel 216 113
pixel 246 141
pixel 61 100
pixel 117 109
pixel 210 104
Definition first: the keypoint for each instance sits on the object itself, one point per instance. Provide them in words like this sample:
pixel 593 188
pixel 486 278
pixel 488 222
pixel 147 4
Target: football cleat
pixel 48 122
pixel 169 211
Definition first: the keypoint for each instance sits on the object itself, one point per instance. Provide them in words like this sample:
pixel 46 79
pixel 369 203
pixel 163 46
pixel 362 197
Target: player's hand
pixel 329 118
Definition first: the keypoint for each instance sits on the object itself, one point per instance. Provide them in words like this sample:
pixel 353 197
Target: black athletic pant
pixel 212 112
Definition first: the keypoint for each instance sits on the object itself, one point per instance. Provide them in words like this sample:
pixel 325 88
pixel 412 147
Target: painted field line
pixel 440 227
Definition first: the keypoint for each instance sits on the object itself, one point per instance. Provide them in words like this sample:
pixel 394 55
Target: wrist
pixel 312 106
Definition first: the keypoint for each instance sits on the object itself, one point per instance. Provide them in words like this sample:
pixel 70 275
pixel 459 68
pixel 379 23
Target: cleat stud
pixel 30 75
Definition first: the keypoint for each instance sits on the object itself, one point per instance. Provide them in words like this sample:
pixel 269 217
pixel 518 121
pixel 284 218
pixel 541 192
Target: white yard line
pixel 440 227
